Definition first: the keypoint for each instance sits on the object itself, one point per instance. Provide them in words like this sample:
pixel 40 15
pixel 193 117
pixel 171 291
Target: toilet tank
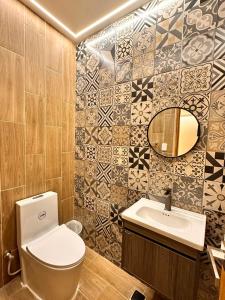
pixel 36 216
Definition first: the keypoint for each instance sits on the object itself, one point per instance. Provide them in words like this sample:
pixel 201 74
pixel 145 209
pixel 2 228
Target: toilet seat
pixel 59 248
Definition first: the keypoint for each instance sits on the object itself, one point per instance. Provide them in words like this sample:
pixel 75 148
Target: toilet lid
pixel 59 248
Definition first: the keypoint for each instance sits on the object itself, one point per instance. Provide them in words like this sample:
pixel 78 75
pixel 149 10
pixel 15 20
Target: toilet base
pixel 47 283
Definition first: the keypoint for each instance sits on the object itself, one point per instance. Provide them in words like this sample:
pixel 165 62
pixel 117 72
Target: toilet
pixel 51 255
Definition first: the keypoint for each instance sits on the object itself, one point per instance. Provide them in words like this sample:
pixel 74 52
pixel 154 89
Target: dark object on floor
pixel 137 296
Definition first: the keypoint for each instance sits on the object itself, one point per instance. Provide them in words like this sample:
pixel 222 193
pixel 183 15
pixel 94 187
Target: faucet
pixel 168 199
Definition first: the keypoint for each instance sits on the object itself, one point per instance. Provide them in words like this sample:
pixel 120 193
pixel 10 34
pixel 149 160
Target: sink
pixel 178 224
pixel 162 217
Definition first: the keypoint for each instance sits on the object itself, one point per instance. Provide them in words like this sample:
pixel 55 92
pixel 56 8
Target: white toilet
pixel 51 255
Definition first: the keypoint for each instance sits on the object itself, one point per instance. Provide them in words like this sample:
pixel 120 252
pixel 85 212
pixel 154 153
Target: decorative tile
pixel 217 107
pixel 139 158
pixel 142 90
pixel 115 214
pixel 123 71
pixel 196 79
pixel 80 119
pixel 103 227
pixel 160 164
pixel 198 49
pixel 90 169
pixel 143 65
pixel 167 86
pixel 104 154
pixel 105 116
pixel 144 41
pixel 197 104
pixel 120 156
pixel 216 136
pixel 200 19
pixel 168 58
pixel 202 142
pixel 105 135
pixel 92 81
pixel 108 59
pixel 80 69
pixel 104 172
pixel 215 226
pixel 119 195
pixel 107 77
pixel 80 102
pixel 124 50
pixel 90 152
pixel 93 62
pixel 220 13
pixel 122 93
pixel 218 75
pixel 214 196
pixel 81 85
pixel 158 182
pixel 91 135
pixel 138 180
pixel 119 175
pixel 90 188
pixel 102 208
pixel 79 189
pixel 79 167
pixel 188 193
pixel 79 135
pixel 92 117
pixel 92 99
pixel 121 135
pixel 106 96
pixel 81 52
pixel 219 51
pixel 138 136
pixel 103 190
pixel 89 203
pixel 121 114
pixel 167 9
pixel 79 152
pixel 169 32
pixel 124 27
pixel 191 164
pixel 215 166
pixel 133 196
pixel 145 16
pixel 141 113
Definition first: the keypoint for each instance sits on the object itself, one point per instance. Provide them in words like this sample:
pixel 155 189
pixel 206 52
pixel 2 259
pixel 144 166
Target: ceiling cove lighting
pixel 88 28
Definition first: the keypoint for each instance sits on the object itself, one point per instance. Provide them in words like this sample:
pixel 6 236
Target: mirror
pixel 173 132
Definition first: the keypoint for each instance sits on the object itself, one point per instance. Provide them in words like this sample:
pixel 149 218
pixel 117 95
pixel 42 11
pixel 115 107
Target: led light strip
pixel 88 28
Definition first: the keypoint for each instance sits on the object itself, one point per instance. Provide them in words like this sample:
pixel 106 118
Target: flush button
pixel 42 215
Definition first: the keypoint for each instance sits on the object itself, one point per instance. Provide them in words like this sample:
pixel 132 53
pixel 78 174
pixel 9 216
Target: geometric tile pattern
pixel 145 16
pixel 215 166
pixel 139 158
pixel 218 77
pixel 219 51
pixel 142 90
pixel 214 195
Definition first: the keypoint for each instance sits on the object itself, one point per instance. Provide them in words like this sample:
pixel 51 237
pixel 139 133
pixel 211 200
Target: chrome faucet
pixel 168 199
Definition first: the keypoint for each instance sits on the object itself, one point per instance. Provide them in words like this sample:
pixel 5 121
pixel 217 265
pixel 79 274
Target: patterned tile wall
pixel 164 54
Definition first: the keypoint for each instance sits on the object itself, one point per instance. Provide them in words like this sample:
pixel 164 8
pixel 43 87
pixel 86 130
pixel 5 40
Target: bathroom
pixel 112 149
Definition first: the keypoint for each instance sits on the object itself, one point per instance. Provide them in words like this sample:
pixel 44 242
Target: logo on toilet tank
pixel 42 215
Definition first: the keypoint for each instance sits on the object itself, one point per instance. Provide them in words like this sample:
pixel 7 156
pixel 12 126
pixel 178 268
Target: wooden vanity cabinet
pixel 167 266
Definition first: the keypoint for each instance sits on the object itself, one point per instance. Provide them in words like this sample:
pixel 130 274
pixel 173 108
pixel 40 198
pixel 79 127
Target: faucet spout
pixel 168 199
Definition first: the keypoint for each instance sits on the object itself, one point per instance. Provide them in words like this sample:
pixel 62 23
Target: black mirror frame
pixel 198 133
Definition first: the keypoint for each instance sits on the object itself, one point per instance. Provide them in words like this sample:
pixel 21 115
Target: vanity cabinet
pixel 167 266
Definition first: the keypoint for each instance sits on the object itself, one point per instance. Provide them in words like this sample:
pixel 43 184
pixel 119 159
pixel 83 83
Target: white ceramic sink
pixel 178 224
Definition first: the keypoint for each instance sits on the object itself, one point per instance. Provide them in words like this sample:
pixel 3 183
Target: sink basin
pixel 178 224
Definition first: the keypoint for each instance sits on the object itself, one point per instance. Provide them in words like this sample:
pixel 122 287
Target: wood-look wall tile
pixel 67 175
pixel 11 86
pixel 8 200
pixel 55 185
pixel 35 59
pixel 68 125
pixel 54 49
pixel 66 211
pixel 12 151
pixel 53 152
pixel 54 98
pixel 68 69
pixel 34 21
pixel 35 174
pixel 12 25
pixel 35 124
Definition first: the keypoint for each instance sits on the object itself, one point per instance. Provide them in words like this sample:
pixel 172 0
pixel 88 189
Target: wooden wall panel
pixel 36 117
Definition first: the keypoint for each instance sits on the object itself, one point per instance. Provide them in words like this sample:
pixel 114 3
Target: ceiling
pixel 80 16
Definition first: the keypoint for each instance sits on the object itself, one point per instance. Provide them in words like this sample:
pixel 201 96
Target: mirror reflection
pixel 173 132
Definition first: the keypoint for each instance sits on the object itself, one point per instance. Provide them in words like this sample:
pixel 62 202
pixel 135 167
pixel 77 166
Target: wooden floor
pixel 100 280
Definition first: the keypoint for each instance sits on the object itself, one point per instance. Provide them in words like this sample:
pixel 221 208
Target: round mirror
pixel 173 132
